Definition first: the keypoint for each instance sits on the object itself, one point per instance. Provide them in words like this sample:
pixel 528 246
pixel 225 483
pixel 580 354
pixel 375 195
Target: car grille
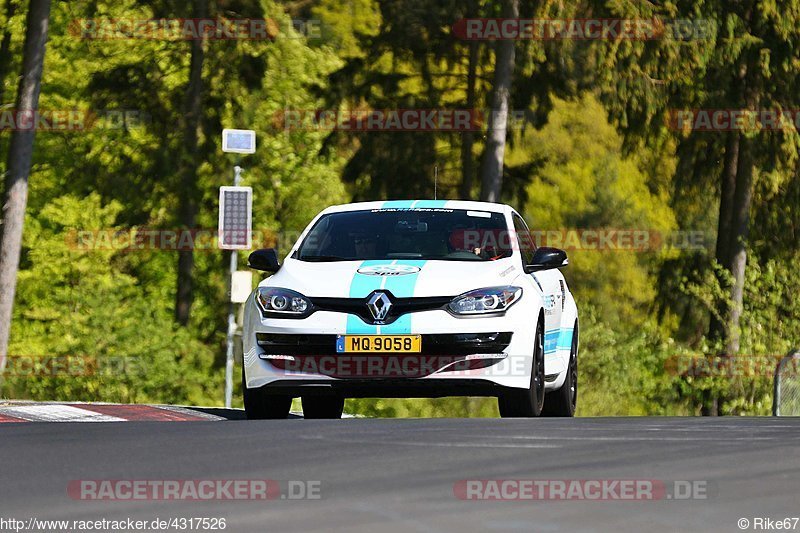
pixel 400 306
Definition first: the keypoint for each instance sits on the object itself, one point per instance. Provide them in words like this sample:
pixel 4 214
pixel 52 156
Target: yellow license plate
pixel 379 343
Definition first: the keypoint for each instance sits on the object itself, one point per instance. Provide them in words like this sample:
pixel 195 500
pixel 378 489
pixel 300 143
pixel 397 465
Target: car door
pixel 551 282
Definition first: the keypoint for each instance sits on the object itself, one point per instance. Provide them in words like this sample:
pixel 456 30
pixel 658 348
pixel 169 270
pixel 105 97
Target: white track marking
pixel 57 413
pixel 185 410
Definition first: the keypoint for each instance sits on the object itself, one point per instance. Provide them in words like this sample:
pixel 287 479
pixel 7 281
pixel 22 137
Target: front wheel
pixel 562 402
pixel 261 406
pixel 527 403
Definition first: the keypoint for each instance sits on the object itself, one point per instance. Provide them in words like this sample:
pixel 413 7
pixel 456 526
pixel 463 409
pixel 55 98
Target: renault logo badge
pixel 379 305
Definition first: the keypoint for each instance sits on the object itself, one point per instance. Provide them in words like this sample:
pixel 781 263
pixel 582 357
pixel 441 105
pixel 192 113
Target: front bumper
pixel 385 388
pixel 298 356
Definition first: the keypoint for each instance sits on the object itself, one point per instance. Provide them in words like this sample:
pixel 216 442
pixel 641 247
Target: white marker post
pixel 235 233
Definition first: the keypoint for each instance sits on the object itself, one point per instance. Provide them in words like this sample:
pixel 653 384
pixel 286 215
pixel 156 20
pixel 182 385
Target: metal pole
pixel 237 177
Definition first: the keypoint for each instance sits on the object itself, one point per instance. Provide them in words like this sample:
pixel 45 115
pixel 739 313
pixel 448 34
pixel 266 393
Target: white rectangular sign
pixel 239 141
pixel 241 286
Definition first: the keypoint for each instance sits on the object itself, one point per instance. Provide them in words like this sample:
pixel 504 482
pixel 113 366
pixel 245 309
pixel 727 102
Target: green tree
pixel 190 159
pixel 580 179
pixel 86 327
pixel 20 154
pixel 494 152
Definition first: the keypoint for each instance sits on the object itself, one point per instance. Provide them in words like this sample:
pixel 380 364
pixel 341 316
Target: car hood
pixel 403 278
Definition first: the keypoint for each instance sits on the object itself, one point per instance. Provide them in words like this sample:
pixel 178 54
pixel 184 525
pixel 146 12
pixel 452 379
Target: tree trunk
pixel 468 137
pixel 732 252
pixel 492 169
pixel 20 153
pixel 716 330
pixel 189 193
pixel 737 245
pixel 5 48
pixel 721 328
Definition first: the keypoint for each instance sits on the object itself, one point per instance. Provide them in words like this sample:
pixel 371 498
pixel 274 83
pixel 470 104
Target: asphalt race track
pixel 402 475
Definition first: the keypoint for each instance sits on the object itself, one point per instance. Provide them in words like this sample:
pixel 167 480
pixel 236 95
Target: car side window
pixel 524 239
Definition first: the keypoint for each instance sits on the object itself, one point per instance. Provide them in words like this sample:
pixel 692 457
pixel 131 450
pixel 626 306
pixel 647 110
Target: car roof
pixel 421 204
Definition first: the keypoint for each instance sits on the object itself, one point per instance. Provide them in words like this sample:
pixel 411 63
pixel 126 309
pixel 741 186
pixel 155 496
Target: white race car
pixel 424 298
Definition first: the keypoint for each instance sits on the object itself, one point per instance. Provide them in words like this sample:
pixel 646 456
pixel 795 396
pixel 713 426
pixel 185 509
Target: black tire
pixel 322 406
pixel 562 402
pixel 527 403
pixel 261 406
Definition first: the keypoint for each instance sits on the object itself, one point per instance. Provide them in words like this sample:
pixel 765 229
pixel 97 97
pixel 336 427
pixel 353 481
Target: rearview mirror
pixel 266 260
pixel 546 258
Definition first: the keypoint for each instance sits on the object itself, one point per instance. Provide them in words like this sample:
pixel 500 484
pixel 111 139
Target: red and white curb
pixel 86 412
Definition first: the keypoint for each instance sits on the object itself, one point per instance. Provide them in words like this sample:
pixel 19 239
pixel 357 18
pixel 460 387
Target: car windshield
pixel 428 234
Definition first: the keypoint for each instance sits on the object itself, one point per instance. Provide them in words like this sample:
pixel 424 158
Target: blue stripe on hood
pixel 400 286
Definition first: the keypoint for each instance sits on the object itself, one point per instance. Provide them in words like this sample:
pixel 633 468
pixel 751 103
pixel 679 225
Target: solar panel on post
pixel 235 218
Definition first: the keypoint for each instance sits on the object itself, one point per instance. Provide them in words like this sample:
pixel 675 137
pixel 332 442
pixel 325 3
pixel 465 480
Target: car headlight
pixel 282 302
pixel 485 301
